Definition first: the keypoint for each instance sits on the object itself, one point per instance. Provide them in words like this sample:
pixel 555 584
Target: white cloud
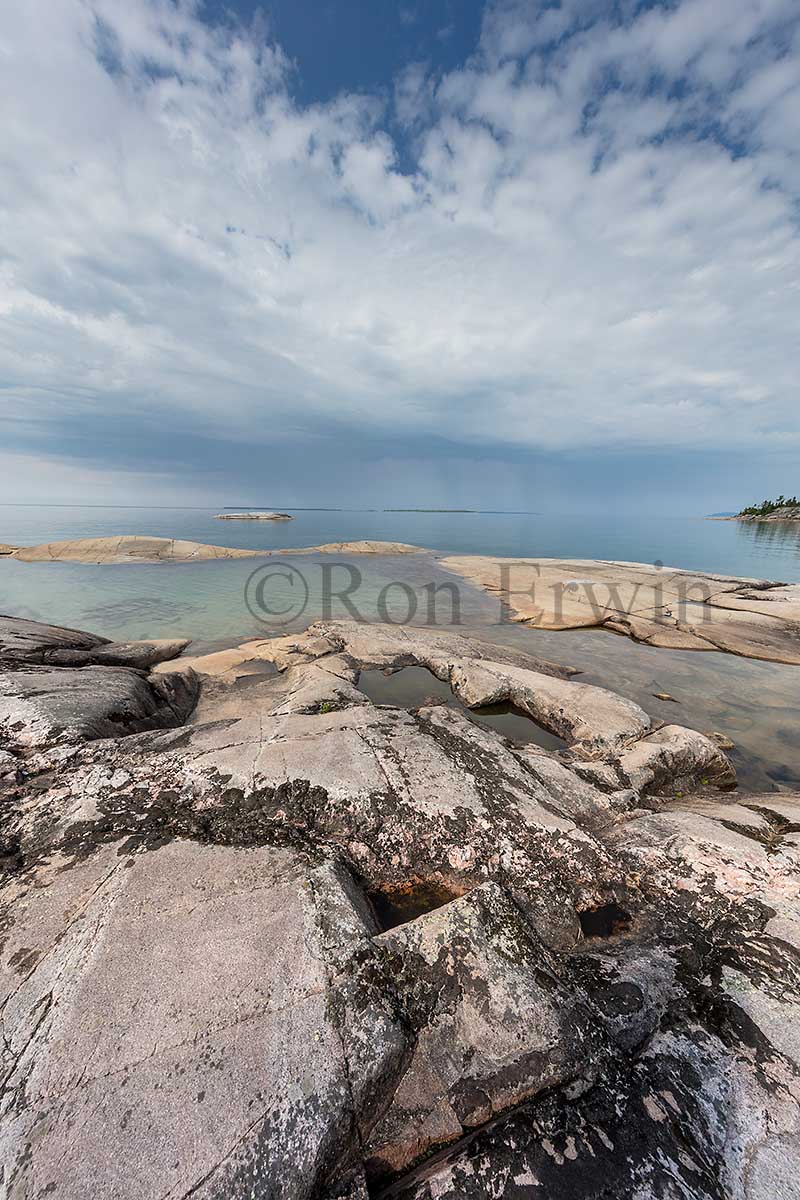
pixel 571 264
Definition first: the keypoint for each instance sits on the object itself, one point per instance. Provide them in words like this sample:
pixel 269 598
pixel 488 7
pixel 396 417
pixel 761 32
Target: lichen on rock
pixel 594 989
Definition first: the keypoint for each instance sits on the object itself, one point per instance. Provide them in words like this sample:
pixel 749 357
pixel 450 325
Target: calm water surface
pixel 726 547
pixel 756 704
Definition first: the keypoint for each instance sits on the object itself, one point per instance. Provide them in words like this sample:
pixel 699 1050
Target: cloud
pixel 596 243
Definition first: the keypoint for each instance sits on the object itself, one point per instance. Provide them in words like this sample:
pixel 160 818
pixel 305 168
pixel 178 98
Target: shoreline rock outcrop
pixel 133 548
pixel 63 683
pixel 656 605
pixel 787 512
pixel 304 946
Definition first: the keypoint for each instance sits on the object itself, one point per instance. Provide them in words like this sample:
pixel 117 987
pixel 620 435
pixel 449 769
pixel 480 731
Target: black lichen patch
pixel 24 960
pixel 604 921
pixel 11 856
pixel 772 834
pixel 148 820
pixel 622 1139
pixel 396 906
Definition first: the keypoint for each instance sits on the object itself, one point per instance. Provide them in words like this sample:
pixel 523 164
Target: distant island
pixel 782 509
pixel 253 516
pixel 475 511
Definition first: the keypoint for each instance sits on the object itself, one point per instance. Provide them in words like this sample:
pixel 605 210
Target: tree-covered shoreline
pixel 767 507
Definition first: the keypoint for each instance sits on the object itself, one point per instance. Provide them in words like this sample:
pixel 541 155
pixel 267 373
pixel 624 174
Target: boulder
pixel 41 705
pixel 671 758
pixel 30 641
pixel 495 1026
pixel 139 655
pixel 60 683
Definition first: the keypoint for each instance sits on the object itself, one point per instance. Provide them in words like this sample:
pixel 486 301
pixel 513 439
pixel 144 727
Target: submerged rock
pixel 211 987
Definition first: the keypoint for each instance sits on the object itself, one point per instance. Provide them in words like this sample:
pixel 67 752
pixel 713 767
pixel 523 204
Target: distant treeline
pixel 770 506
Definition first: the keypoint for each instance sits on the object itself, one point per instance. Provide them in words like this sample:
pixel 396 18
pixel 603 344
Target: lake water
pixel 763 550
pixel 756 704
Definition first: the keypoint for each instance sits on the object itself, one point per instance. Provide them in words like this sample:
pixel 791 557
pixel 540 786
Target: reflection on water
pixel 415 687
pixel 396 906
pixel 779 539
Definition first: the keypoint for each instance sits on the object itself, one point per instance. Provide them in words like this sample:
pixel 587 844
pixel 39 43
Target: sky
pixel 526 253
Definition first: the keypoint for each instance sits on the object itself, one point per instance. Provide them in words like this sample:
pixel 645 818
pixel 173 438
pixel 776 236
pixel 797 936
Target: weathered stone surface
pixel 132 548
pixel 429 796
pixel 372 646
pixel 711 1107
pixel 30 641
pixel 40 705
pixel 170 1028
pixel 587 717
pixel 352 1186
pixel 129 548
pixel 595 723
pixel 661 606
pixel 139 655
pixel 671 757
pixel 496 1026
pixel 687 1120
pixel 63 683
pixel 8 766
pixel 390 646
pixel 712 850
pixel 586 985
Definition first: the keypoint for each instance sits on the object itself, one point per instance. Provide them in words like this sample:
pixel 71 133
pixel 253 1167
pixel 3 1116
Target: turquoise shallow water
pixel 215 601
pixel 756 704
